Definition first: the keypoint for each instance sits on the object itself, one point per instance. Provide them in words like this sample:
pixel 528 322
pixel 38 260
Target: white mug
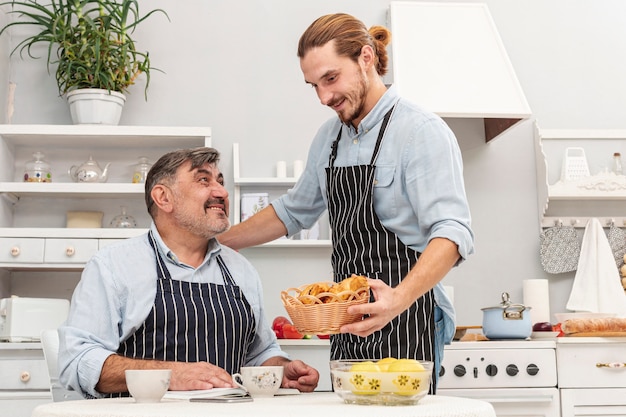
pixel 259 381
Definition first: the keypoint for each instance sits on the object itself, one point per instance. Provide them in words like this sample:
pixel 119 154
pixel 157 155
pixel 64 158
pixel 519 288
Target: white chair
pixel 50 344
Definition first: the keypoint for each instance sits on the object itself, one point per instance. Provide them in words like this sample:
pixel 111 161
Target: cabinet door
pixel 593 402
pixel 578 365
pixel 24 374
pixel 70 250
pixel 22 250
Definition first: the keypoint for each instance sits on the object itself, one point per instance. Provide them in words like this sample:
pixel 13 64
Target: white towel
pixel 597 286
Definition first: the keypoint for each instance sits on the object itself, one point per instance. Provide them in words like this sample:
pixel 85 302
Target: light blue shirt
pixel 419 193
pixel 117 291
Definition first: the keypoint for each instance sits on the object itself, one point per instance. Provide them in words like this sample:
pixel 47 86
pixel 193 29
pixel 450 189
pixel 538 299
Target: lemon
pixel 365 366
pixel 407 382
pixel 405 365
pixel 383 364
pixel 365 378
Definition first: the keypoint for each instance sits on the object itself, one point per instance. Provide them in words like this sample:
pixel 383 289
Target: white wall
pixel 233 66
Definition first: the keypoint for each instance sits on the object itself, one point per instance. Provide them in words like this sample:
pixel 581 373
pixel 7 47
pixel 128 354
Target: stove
pixel 518 377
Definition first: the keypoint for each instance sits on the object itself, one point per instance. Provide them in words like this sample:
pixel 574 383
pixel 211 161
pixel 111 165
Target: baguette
pixel 611 324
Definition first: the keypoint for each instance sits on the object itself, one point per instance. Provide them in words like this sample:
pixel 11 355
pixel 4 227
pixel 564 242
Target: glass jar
pixel 37 170
pixel 141 170
pixel 123 220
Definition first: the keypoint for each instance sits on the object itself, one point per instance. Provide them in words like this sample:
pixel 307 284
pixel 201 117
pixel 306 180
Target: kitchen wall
pixel 232 65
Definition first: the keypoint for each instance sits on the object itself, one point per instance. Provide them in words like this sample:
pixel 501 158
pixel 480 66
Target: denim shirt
pixel 116 292
pixel 419 193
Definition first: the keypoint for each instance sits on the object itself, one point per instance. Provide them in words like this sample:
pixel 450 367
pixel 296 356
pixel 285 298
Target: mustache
pixel 215 201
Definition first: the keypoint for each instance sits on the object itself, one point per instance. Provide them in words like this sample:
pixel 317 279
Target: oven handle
pixel 611 365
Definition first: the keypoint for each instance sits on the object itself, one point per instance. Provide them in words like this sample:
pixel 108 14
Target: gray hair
pixel 164 170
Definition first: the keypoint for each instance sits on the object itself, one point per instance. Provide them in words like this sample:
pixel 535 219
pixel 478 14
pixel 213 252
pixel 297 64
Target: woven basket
pixel 319 317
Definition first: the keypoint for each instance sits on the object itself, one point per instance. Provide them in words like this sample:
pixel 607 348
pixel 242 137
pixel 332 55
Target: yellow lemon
pixel 365 378
pixel 383 364
pixel 365 366
pixel 407 382
pixel 405 365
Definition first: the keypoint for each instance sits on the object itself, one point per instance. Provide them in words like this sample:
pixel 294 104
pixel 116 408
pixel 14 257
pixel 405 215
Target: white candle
pixel 281 169
pixel 298 168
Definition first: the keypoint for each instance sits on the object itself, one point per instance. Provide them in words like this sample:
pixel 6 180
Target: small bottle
pixel 617 164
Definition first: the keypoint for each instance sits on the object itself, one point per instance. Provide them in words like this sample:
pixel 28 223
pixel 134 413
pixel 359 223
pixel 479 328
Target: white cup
pixel 281 169
pixel 148 385
pixel 260 381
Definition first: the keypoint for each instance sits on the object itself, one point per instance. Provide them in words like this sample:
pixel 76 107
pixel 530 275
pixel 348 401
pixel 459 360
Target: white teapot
pixel 89 171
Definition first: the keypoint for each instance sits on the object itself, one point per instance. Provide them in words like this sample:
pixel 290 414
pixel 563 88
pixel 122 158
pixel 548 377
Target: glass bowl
pixel 381 382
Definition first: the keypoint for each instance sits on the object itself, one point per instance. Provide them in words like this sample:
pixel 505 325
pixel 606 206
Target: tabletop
pixel 303 405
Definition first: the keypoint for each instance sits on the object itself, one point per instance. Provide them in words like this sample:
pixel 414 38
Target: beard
pixel 211 224
pixel 357 99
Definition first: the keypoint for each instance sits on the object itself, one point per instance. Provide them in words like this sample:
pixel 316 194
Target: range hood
pixel 449 58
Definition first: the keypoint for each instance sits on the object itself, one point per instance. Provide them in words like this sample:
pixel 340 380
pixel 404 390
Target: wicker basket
pixel 319 317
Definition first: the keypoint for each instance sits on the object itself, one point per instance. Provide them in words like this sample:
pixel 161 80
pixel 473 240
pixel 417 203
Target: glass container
pixel 141 170
pixel 123 220
pixel 617 164
pixel 37 170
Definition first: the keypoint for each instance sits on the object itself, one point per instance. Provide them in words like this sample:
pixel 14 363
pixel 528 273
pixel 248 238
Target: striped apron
pixel 363 246
pixel 194 322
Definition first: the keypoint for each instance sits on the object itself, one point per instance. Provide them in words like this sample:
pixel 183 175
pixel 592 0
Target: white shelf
pixel 71 190
pixel 51 233
pixel 100 136
pixel 44 204
pixel 270 181
pixel 266 182
pixel 601 195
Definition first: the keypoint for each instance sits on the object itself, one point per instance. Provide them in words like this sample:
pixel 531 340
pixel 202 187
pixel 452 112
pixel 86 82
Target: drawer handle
pixel 15 251
pixel 25 376
pixel 611 365
pixel 70 251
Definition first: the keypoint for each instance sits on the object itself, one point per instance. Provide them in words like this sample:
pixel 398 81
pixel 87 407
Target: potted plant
pixel 90 43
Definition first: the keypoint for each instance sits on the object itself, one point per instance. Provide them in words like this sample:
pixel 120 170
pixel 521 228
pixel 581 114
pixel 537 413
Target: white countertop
pixel 303 405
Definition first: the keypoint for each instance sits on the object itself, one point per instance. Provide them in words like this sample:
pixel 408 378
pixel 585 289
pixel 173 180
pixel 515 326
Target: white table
pixel 304 405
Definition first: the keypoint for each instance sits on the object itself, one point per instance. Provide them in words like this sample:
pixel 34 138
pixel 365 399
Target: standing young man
pixel 391 176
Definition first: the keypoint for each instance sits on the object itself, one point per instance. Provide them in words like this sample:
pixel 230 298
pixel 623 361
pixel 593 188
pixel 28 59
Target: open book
pixel 205 393
pixel 219 392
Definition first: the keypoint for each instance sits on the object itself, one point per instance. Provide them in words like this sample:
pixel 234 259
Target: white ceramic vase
pixel 95 106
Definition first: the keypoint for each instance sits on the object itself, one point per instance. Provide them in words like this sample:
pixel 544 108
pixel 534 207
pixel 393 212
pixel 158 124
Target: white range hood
pixel 449 58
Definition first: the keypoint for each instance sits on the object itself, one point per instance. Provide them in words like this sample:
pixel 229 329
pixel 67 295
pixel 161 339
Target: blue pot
pixel 507 320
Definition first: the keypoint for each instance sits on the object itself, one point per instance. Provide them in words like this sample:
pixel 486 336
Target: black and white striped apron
pixel 194 322
pixel 362 245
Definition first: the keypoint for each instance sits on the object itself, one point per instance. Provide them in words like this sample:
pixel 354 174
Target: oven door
pixel 513 402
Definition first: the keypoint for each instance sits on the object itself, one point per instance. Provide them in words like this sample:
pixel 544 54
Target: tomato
pixel 323 336
pixel 290 332
pixel 557 328
pixel 277 326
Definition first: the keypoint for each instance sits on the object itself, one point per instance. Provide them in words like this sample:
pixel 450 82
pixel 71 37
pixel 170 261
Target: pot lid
pixel 507 304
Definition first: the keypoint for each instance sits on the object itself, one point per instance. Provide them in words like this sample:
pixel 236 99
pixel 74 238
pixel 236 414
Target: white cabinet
pixel 274 187
pixel 24 380
pixel 33 236
pixel 602 194
pixel 592 376
pixel 33 215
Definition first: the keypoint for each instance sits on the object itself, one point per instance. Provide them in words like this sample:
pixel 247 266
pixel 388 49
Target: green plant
pixel 89 41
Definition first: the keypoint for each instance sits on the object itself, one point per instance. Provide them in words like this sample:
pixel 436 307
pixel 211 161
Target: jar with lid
pixel 141 170
pixel 123 220
pixel 37 170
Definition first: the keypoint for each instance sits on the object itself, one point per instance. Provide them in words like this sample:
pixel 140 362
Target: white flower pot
pixel 95 106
